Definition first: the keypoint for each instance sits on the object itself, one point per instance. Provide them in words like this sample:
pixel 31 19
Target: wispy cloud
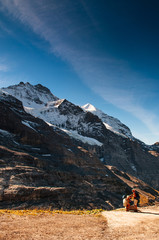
pixel 3 68
pixel 4 65
pixel 56 22
pixel 4 29
pixel 125 99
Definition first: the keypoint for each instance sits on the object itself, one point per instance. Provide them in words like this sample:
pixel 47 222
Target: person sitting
pixel 127 202
pixel 136 198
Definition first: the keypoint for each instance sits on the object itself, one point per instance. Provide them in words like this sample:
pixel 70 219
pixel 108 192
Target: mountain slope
pixel 87 127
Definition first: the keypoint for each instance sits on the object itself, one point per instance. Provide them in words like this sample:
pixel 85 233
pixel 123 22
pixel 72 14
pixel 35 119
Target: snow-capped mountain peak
pixel 89 107
pixel 111 123
pixel 31 95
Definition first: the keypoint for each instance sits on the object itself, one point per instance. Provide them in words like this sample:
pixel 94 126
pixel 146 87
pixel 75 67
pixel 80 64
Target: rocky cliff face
pixel 41 166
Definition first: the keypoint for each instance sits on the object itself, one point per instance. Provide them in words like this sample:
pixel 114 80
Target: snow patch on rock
pixel 88 140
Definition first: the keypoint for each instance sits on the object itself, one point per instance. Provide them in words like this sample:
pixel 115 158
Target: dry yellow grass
pixel 34 212
pixel 46 225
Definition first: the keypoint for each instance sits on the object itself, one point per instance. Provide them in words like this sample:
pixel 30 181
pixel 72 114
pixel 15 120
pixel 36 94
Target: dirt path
pixel 130 225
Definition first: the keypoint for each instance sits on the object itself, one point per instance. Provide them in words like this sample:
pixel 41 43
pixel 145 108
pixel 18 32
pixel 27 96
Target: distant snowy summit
pixel 111 123
pixel 31 95
pixel 87 120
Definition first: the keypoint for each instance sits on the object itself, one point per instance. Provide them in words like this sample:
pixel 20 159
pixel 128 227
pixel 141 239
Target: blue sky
pixel 104 52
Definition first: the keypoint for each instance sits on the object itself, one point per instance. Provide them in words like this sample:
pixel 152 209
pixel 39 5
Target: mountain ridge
pixel 42 107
